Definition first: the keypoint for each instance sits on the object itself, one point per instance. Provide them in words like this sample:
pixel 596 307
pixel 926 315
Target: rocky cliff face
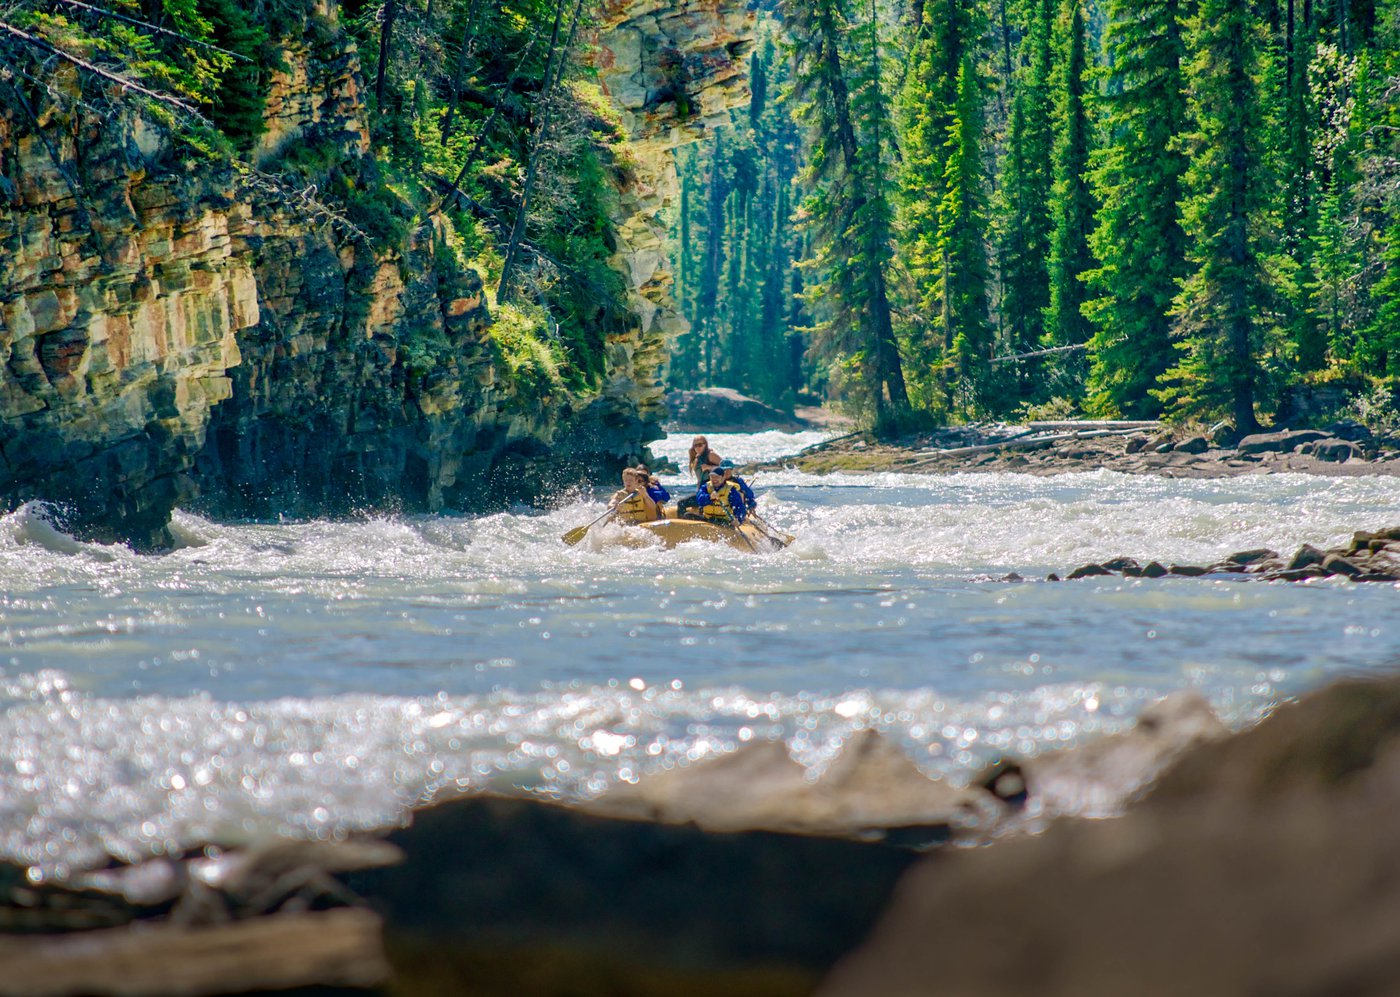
pixel 674 69
pixel 209 339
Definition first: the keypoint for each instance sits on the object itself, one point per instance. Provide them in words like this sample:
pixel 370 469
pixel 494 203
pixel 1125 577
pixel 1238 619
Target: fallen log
pixel 1022 443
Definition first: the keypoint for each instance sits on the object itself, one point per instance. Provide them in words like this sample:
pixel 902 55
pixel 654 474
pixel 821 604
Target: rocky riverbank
pixel 1045 449
pixel 1369 557
pixel 1243 863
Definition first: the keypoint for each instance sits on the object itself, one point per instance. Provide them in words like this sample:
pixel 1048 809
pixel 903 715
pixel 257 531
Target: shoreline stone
pixel 1370 557
pixel 1012 449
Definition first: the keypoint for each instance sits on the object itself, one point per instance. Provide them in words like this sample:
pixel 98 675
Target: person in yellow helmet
pixel 633 504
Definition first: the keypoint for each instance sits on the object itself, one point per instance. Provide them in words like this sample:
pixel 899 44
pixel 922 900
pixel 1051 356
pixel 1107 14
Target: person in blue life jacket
pixel 633 504
pixel 730 474
pixel 655 488
pixel 717 495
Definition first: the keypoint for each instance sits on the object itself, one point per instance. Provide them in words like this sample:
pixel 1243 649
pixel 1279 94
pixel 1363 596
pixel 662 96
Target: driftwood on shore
pixel 1019 442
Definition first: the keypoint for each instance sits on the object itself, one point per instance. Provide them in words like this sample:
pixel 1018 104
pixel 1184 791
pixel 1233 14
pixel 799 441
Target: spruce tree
pixel 927 108
pixel 962 220
pixel 1138 239
pixel 1072 206
pixel 1024 245
pixel 1222 312
pixel 1380 124
pixel 842 103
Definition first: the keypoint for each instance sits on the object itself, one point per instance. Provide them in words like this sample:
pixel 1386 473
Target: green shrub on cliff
pixel 521 337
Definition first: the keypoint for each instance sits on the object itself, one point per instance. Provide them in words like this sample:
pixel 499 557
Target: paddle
pixel 735 526
pixel 781 539
pixel 579 532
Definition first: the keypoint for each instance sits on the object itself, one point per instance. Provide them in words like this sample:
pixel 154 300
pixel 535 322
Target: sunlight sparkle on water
pixel 314 678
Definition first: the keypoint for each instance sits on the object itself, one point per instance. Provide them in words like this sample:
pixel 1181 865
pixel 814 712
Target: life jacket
pixel 720 507
pixel 634 510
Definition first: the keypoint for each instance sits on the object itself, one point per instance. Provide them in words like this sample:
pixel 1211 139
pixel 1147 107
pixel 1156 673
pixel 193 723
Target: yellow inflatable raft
pixel 674 532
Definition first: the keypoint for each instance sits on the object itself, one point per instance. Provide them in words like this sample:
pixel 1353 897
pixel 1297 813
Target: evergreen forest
pixel 929 212
pixel 948 211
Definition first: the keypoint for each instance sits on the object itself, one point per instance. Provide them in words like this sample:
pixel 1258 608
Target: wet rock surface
pixel 1369 557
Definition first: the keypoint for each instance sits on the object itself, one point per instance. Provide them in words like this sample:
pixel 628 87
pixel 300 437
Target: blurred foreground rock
pixel 338 948
pixel 1262 864
pixel 510 897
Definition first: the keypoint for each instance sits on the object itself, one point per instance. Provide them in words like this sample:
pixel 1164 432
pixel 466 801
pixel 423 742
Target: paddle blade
pixel 575 535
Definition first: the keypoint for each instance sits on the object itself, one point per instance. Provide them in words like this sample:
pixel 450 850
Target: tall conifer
pixel 1024 245
pixel 1138 238
pixel 1223 310
pixel 1072 207
pixel 962 220
pixel 848 209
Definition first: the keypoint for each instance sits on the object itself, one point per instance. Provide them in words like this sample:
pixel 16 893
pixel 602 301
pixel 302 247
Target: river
pixel 315 678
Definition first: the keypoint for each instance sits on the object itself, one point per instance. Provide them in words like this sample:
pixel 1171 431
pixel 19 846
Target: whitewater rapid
pixel 315 678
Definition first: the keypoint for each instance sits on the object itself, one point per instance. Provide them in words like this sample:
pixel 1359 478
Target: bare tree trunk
pixel 386 40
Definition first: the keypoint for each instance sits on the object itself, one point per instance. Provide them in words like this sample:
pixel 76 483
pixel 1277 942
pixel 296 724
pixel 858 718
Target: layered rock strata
pixel 674 69
pixel 211 339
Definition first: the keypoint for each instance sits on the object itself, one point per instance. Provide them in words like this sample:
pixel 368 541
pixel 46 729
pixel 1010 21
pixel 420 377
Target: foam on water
pixel 312 678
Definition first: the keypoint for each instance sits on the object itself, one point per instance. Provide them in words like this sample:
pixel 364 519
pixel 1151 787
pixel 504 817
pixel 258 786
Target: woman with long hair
pixel 701 459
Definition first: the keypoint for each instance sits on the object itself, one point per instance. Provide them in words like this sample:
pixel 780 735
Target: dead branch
pixel 122 81
pixel 151 27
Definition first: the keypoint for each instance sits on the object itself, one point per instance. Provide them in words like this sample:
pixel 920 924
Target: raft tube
pixel 674 532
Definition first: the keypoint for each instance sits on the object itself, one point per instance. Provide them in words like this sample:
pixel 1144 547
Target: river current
pixel 315 678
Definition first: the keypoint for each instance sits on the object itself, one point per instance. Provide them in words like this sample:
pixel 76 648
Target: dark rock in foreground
pixel 507 897
pixel 1262 864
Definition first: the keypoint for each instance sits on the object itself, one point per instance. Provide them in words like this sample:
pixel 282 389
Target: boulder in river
pixel 724 410
pixel 872 786
pixel 1337 451
pixel 1280 442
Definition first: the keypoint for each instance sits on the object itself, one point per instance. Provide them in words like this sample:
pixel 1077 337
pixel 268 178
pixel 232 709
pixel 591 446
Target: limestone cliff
pixel 210 338
pixel 674 69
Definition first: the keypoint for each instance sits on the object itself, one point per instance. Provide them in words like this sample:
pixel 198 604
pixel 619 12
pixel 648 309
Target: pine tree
pixel 848 212
pixel 1138 239
pixel 962 220
pixel 927 107
pixel 1072 206
pixel 1223 308
pixel 1379 109
pixel 1024 245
